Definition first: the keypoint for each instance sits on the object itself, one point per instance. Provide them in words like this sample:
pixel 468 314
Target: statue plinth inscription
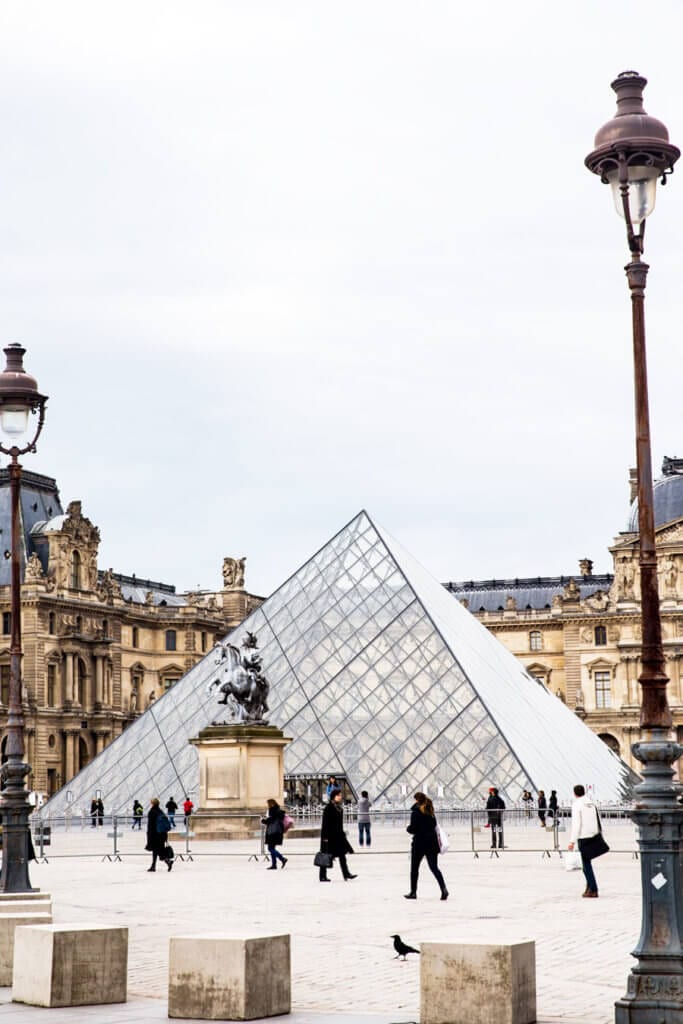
pixel 240 768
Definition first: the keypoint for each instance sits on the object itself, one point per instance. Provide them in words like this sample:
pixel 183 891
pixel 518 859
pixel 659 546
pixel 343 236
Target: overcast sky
pixel 277 262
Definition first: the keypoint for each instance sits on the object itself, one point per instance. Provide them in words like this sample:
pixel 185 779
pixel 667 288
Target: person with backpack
pixel 158 827
pixel 171 808
pixel 138 811
pixel 275 833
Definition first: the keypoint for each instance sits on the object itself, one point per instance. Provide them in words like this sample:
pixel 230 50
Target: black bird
pixel 401 949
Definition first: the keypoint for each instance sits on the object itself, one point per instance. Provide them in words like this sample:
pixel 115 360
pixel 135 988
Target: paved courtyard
pixel 342 957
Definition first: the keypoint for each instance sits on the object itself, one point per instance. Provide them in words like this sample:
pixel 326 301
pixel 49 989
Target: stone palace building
pixel 580 635
pixel 99 647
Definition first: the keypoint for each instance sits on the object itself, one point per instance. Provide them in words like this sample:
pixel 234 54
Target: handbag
pixel 322 859
pixel 168 853
pixel 442 839
pixel 287 823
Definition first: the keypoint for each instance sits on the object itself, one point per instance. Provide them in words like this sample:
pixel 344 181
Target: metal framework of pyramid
pixel 380 675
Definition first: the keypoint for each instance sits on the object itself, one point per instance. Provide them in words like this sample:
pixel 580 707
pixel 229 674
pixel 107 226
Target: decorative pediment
pixel 601 665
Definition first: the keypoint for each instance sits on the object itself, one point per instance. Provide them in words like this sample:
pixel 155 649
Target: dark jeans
pixel 275 855
pixel 363 829
pixel 496 832
pixel 591 883
pixel 342 864
pixel 433 863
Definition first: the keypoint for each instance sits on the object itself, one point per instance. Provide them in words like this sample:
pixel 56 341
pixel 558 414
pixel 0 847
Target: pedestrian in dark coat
pixel 275 833
pixel 158 828
pixel 542 806
pixel 333 837
pixel 552 804
pixel 495 805
pixel 100 811
pixel 93 812
pixel 422 828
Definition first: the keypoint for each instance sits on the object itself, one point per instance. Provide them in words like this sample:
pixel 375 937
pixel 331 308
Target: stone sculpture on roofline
pixel 241 683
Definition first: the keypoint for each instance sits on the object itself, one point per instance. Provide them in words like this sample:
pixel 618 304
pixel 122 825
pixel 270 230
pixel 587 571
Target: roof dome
pixel 668 495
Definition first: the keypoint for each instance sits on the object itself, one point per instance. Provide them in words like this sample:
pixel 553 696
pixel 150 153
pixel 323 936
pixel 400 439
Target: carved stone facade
pixel 581 635
pixel 99 647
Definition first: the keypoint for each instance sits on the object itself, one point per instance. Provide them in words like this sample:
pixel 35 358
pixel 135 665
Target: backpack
pixel 163 824
pixel 287 823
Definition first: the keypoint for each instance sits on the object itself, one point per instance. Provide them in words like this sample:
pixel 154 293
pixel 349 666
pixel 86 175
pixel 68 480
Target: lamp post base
pixel 654 993
pixel 16 836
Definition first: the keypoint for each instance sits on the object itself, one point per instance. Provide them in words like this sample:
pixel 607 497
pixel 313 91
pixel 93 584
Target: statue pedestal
pixel 240 768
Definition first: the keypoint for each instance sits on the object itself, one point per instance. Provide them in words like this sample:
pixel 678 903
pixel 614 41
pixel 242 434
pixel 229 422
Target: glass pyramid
pixel 380 675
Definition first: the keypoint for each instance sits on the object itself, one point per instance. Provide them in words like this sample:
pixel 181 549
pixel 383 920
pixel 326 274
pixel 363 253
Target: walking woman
pixel 332 836
pixel 158 827
pixel 425 844
pixel 275 833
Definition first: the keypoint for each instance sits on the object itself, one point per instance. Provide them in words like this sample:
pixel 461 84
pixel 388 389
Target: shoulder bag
pixel 322 859
pixel 594 846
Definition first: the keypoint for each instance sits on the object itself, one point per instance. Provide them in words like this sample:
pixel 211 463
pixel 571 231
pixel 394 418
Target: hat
pixel 492 789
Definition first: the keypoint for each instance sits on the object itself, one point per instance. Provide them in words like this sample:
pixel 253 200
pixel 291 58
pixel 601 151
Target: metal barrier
pixel 471 832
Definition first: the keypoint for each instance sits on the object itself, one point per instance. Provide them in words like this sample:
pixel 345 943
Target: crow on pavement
pixel 401 949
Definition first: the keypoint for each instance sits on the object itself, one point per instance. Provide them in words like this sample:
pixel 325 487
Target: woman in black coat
pixel 542 807
pixel 275 833
pixel 422 828
pixel 156 839
pixel 333 837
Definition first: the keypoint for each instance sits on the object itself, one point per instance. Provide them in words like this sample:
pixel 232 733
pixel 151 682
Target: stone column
pixel 69 753
pixel 101 737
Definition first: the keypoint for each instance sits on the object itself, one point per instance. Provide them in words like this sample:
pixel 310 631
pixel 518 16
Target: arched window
pixel 75 571
pixel 610 741
pixel 535 640
pixel 600 636
pixel 170 639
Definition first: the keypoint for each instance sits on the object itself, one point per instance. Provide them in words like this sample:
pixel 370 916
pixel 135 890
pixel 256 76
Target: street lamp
pixel 632 151
pixel 19 400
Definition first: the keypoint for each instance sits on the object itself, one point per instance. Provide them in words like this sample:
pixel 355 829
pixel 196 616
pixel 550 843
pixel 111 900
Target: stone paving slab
pixel 342 957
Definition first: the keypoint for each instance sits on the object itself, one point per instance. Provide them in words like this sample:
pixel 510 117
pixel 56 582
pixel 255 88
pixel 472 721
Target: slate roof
pixel 535 593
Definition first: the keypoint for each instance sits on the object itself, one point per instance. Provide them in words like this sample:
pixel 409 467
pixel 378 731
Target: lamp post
pixel 631 152
pixel 19 398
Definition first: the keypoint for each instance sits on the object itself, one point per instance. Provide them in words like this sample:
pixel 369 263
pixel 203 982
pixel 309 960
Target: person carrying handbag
pixel 587 835
pixel 333 839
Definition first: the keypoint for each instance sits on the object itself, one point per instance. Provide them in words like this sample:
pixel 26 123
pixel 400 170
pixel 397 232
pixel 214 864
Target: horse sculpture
pixel 243 685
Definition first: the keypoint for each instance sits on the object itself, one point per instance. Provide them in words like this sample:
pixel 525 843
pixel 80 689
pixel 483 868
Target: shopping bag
pixel 442 839
pixel 572 860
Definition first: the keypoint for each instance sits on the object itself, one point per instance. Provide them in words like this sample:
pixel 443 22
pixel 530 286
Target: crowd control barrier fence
pixel 474 832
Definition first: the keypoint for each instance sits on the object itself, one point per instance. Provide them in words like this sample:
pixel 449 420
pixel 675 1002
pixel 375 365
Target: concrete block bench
pixel 477 983
pixel 70 965
pixel 223 977
pixel 30 913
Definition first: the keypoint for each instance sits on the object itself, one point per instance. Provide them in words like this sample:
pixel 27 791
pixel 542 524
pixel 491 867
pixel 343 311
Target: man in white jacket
pixel 585 825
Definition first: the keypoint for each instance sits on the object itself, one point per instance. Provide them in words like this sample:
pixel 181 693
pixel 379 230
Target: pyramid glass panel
pixel 376 673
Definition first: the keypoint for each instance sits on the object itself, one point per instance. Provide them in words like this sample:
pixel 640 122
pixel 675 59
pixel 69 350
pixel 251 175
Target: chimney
pixel 585 567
